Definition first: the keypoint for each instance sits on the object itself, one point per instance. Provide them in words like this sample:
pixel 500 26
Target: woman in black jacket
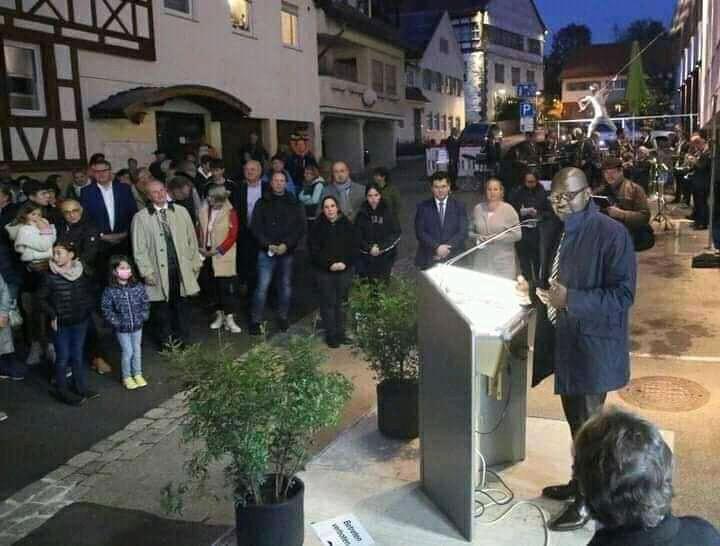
pixel 331 246
pixel 378 234
pixel 67 299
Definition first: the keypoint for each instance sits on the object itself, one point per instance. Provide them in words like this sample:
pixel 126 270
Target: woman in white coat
pixel 490 218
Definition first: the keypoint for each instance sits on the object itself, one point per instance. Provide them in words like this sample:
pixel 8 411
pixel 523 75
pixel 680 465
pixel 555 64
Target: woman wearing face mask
pixel 378 234
pixel 331 244
pixel 67 299
pixel 490 218
pixel 126 307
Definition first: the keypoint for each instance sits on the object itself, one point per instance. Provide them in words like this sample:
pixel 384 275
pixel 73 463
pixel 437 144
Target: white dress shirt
pixel 109 199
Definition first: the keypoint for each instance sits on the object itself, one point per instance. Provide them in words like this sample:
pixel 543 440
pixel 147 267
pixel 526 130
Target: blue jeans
pixel 69 345
pixel 131 359
pixel 266 268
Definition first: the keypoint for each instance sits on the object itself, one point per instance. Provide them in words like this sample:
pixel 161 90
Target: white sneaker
pixel 50 353
pixel 34 355
pixel 231 325
pixel 218 322
pixel 3 416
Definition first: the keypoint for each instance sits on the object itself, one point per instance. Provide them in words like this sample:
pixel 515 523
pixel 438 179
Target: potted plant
pixel 257 415
pixel 384 318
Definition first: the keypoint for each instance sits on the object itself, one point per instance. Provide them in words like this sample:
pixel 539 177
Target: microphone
pixel 529 223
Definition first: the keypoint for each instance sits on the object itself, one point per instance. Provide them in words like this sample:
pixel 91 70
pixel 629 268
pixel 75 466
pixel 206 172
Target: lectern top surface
pixel 489 303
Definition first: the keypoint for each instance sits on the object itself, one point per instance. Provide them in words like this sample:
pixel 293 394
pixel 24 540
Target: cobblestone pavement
pixel 32 506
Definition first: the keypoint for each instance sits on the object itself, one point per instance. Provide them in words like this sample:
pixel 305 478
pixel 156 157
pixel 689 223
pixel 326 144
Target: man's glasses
pixel 566 197
pixel 101 170
pixel 72 211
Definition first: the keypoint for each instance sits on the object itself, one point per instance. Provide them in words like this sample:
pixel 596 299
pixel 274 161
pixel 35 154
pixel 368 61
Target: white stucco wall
pixel 275 81
pixel 448 64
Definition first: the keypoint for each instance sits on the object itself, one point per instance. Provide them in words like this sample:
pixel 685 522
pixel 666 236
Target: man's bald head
pixel 569 192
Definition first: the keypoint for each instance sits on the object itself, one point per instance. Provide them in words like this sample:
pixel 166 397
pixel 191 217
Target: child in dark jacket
pixel 126 307
pixel 66 298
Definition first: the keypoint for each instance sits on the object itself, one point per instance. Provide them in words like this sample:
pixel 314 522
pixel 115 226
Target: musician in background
pixel 590 159
pixel 626 201
pixel 700 162
pixel 681 148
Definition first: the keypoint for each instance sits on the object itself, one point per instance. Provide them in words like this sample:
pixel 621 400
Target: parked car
pixel 476 134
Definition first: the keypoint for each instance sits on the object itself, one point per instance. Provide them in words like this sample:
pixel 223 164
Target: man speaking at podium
pixel 583 296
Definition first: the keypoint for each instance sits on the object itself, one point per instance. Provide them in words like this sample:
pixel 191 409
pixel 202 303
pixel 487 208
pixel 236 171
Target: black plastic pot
pixel 398 409
pixel 281 524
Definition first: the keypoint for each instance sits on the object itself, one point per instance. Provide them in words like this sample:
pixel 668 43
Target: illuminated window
pixel 289 15
pixel 24 79
pixel 240 14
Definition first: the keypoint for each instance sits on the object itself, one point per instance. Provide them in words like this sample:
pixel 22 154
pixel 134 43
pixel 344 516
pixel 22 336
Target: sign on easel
pixel 342 531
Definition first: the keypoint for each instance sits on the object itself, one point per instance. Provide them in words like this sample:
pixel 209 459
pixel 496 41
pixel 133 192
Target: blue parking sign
pixel 527 110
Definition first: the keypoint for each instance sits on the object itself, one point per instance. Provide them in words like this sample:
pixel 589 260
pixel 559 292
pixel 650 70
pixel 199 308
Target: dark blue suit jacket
pixel 430 234
pixel 94 207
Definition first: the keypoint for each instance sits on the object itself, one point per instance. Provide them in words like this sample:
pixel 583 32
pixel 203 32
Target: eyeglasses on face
pixel 566 197
pixel 72 211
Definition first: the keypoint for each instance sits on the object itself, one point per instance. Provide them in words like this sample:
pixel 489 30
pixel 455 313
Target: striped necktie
pixel 552 313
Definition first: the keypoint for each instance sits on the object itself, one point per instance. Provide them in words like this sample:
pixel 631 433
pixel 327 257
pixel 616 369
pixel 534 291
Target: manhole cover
pixel 665 393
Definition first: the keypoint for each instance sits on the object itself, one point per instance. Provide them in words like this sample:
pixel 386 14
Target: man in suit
pixel 583 296
pixel 244 197
pixel 441 224
pixel 110 205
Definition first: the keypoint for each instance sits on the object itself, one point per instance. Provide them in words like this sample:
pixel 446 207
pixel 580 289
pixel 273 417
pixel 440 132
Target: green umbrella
pixel 636 94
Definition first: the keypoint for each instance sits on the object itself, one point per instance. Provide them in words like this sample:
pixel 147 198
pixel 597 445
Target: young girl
pixel 67 299
pixel 126 307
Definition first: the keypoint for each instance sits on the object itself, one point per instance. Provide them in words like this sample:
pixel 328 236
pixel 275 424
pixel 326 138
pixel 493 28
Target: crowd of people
pixel 130 247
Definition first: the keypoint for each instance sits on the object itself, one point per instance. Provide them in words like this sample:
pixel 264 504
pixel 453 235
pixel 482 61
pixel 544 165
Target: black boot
pixel 574 516
pixel 562 492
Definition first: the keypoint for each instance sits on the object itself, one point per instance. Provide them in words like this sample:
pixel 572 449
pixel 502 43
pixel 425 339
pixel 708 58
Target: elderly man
pixel 350 195
pixel 630 493
pixel 584 292
pixel 244 198
pixel 626 202
pixel 82 234
pixel 700 160
pixel 168 259
pixel 278 224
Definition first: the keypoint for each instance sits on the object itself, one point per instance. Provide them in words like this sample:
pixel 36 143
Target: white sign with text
pixel 342 531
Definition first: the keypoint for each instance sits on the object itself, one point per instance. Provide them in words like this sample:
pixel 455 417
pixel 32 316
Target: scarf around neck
pixel 72 271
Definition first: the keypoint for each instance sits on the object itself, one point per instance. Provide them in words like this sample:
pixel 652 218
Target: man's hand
pixel 557 295
pixel 4 320
pixel 615 212
pixel 338 266
pixel 522 289
pixel 443 251
pixel 281 249
pixel 273 249
pixel 150 280
pixel 375 251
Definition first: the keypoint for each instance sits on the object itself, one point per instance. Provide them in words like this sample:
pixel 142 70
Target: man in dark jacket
pixel 531 202
pixel 701 162
pixel 11 268
pixel 584 292
pixel 278 224
pixel 440 224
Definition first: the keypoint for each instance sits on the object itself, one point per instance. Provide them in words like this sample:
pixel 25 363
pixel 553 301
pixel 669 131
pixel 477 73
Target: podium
pixel 473 383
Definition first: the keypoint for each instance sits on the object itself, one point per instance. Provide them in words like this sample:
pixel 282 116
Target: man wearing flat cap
pixel 627 201
pixel 583 294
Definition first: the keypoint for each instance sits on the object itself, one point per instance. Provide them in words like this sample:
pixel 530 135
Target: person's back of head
pixel 624 470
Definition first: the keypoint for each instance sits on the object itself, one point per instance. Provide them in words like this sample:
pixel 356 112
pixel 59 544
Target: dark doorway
pixel 417 125
pixel 235 134
pixel 178 133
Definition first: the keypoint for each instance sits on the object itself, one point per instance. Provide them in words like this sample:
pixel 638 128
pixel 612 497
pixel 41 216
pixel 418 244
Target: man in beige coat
pixel 168 260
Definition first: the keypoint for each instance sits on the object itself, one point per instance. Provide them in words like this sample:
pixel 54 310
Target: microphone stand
pixel 530 222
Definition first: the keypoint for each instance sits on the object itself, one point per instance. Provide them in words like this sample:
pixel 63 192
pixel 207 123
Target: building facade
pixel 128 77
pixel 502 42
pixel 434 71
pixel 361 63
pixel 696 26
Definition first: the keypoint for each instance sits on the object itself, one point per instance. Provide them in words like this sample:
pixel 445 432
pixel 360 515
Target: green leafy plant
pixel 384 319
pixel 257 415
